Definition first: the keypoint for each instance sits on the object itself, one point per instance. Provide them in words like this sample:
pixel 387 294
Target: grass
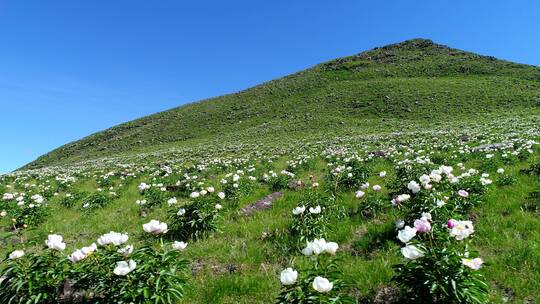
pixel 236 265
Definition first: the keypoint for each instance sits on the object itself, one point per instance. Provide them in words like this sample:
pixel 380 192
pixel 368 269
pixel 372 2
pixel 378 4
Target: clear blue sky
pixel 70 68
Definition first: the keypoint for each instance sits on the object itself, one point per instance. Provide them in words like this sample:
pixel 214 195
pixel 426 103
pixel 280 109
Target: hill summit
pixel 415 81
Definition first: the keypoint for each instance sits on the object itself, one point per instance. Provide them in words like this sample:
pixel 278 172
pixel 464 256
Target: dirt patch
pixel 199 266
pixel 387 294
pixel 262 204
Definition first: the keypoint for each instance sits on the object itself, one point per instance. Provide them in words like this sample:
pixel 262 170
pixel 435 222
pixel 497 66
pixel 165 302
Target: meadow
pixel 441 215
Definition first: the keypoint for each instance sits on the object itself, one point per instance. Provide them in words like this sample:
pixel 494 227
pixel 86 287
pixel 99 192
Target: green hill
pixel 415 80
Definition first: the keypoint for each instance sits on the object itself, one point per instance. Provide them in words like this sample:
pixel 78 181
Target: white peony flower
pixel 125 251
pixel 55 242
pixel 322 285
pixel 424 179
pixel 179 245
pixel 81 254
pixel 406 234
pixel 288 276
pixel 16 254
pixel 402 198
pixel 155 227
pixel 172 201
pixel 331 248
pixel 77 256
pixel 143 186
pixel 413 186
pixel 318 246
pixel 435 176
pixel 299 210
pixel 113 238
pixel 474 264
pixel 411 252
pixel 315 210
pixel 485 181
pixel 461 229
pixel 446 169
pixel 8 196
pixel 89 249
pixel 123 267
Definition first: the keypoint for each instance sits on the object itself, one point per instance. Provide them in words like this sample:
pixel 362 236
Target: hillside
pixel 415 80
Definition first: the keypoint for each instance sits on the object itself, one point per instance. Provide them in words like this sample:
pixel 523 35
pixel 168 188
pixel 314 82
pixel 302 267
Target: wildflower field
pixel 439 210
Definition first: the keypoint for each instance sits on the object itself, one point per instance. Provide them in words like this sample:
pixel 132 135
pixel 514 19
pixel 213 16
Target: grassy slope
pixel 507 237
pixel 414 80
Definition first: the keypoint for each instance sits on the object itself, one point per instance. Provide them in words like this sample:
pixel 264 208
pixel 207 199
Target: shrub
pixel 439 268
pixel 534 169
pixel 154 197
pixel 32 278
pixel 303 287
pixel 96 200
pixel 278 181
pixel 154 276
pixel 349 175
pixel 506 180
pixel 377 237
pixel 319 211
pixel 406 173
pixel 194 220
pixel 160 276
pixel 30 216
pixel 532 202
pixel 72 199
pixel 234 191
pixel 372 205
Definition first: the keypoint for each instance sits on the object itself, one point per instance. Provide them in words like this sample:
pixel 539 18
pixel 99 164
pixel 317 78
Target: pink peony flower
pixel 422 225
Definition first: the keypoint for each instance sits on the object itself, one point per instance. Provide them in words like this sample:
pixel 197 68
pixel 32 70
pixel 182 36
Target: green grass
pixel 238 266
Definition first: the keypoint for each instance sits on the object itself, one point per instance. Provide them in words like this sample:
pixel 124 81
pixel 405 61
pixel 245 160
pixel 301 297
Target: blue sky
pixel 70 68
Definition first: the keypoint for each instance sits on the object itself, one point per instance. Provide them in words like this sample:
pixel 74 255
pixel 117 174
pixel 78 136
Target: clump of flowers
pixel 439 263
pixel 312 218
pixel 96 200
pixel 317 282
pixel 111 275
pixel 196 219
